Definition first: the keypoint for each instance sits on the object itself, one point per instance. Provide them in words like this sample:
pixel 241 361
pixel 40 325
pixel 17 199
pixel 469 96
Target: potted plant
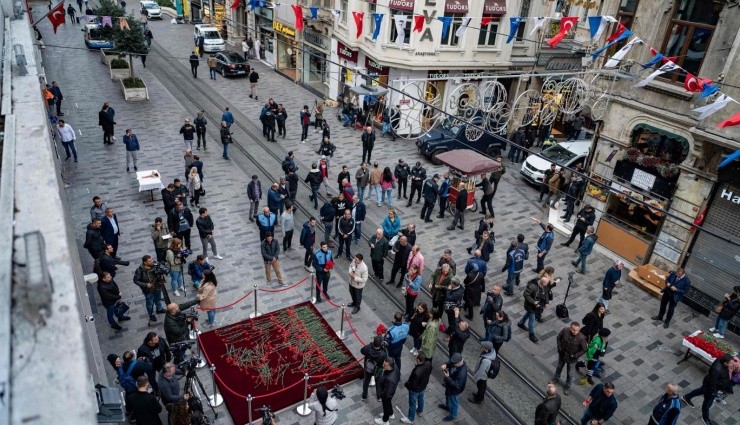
pixel 119 69
pixel 106 55
pixel 134 89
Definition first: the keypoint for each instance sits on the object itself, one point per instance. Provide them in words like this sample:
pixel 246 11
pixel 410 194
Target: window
pixel 487 34
pixel 406 28
pixel 626 13
pixel 690 33
pixel 345 11
pixel 452 39
pixel 524 11
pixel 372 8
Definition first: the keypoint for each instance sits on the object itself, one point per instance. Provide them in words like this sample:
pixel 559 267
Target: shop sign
pixel 404 102
pixel 729 195
pixel 438 75
pixel 407 5
pixel 642 179
pixel 564 64
pixel 374 68
pixel 283 29
pixel 494 7
pixel 314 38
pixel 346 53
pixel 456 6
pixel 444 75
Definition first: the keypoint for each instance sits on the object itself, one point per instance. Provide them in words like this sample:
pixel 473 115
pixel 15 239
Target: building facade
pixel 652 147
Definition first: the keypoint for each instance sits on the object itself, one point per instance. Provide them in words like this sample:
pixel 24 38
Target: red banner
pixel 56 16
pixel 566 23
pixel 358 16
pixel 418 23
pixel 298 17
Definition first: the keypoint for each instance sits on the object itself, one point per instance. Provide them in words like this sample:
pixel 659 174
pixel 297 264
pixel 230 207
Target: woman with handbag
pixel 175 261
pixel 412 283
pixel 387 184
pixel 194 186
pixel 110 296
pixel 725 312
pixel 207 296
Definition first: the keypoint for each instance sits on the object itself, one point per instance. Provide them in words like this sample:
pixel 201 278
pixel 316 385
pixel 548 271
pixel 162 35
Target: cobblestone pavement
pixel 642 356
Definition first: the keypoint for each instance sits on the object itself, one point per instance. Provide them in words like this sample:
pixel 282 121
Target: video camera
pixel 338 393
pixel 267 416
pixel 178 351
pixel 161 269
pixel 189 366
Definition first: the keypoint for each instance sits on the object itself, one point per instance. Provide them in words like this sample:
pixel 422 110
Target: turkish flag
pixel 691 84
pixel 56 16
pixel 235 5
pixel 732 121
pixel 486 20
pixel 298 17
pixel 566 23
pixel 620 29
pixel 418 23
pixel 358 17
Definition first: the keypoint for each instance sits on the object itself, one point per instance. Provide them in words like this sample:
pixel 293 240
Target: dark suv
pixel 453 135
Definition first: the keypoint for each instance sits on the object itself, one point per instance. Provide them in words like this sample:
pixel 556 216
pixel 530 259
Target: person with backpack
pixel 145 407
pixel 254 77
pixel 305 117
pixel 396 337
pixel 487 368
pixel 417 384
pixel 596 349
pixel 197 269
pixel 374 354
pixel 128 370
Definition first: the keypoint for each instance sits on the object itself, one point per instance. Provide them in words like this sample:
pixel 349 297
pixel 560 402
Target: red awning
pixel 456 6
pixel 494 7
pixel 468 162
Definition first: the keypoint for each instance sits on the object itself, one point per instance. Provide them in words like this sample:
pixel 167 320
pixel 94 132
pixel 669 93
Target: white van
pixel 564 154
pixel 212 41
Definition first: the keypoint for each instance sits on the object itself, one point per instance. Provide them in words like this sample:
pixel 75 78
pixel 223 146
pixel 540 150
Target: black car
pixel 232 64
pixel 454 135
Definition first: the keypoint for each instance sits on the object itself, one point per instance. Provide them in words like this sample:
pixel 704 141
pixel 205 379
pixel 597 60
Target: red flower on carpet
pixel 711 345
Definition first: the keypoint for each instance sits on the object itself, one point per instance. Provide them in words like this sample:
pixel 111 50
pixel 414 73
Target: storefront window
pixel 636 211
pixel 690 33
pixel 452 39
pixel 487 34
pixel 406 28
pixel 659 146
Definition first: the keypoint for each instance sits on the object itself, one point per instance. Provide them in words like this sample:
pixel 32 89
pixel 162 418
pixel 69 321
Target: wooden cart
pixel 467 167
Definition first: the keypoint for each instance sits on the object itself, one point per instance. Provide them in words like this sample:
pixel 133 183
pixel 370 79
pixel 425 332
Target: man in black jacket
pixel 388 382
pixel 455 377
pixel 169 387
pixel 151 285
pixel 368 143
pixel 400 260
pixel 176 326
pixel 374 353
pixel 585 218
pixel 461 204
pixel 94 242
pixel 571 346
pixel 430 191
pixel 459 332
pixel 416 384
pixel 156 350
pixel 254 193
pixel 145 408
pixel 718 379
pixel 346 229
pixel 110 296
pixel 180 221
pixel 314 179
pixel 200 129
pixel 401 173
pixel 418 175
pixel 108 263
pixel 205 231
pixel 169 199
pixel 547 411
pixel 543 186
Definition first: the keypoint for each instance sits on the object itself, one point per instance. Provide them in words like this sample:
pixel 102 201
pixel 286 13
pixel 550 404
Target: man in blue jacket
pixel 514 266
pixel 323 261
pixel 676 285
pixel 444 193
pixel 544 244
pixel 266 222
pixel 308 239
pixel 585 250
pixel 455 375
pixel 132 148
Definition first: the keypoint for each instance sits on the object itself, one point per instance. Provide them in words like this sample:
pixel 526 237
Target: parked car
pixel 212 41
pixel 151 9
pixel 232 64
pixel 452 135
pixel 94 37
pixel 564 154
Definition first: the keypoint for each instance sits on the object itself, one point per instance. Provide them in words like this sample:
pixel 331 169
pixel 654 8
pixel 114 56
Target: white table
pixel 149 180
pixel 693 350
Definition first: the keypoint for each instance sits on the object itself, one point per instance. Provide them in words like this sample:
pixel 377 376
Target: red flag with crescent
pixel 418 23
pixel 691 84
pixel 56 16
pixel 566 23
pixel 620 29
pixel 358 17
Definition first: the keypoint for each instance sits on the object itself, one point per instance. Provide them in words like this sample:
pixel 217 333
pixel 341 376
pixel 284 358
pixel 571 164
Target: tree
pixel 129 41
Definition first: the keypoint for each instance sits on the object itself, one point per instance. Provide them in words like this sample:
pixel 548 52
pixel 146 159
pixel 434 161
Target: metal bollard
pixel 303 409
pixel 312 297
pixel 215 400
pixel 199 354
pixel 340 333
pixel 255 313
pixel 249 407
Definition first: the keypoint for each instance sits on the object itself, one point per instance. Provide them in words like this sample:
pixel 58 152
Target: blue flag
pixel 708 90
pixel 314 12
pixel 446 21
pixel 653 61
pixel 594 22
pixel 378 17
pixel 514 24
pixel 625 34
pixel 256 3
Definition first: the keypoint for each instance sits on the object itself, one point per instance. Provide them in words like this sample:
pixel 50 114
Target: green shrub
pixel 133 83
pixel 119 64
pixel 165 3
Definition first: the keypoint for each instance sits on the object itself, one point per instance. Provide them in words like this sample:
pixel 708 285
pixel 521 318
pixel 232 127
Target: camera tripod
pixel 194 386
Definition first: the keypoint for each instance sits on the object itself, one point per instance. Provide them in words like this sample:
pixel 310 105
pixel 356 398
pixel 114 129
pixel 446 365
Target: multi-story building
pixel 652 147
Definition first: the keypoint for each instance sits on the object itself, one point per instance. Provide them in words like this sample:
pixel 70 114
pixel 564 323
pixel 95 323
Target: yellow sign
pixel 283 29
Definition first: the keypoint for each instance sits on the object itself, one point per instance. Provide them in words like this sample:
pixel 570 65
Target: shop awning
pixel 407 5
pixel 660 131
pixel 468 162
pixel 494 7
pixel 456 6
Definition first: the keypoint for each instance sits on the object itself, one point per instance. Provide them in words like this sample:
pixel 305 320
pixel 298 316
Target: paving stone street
pixel 642 354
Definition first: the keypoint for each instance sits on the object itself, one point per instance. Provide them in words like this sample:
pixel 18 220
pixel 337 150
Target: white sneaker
pixel 177 293
pixel 182 288
pixel 392 416
pixel 406 421
pixel 380 421
pixel 718 336
pixel 712 329
pixel 412 350
pixel 218 257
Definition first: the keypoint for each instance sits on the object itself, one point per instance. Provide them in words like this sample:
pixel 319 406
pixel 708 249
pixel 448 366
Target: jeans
pixel 70 146
pixel 582 262
pixel 201 138
pixel 323 278
pixel 304 132
pixel 132 156
pixel 176 280
pixel 347 120
pixel 388 193
pixel 720 326
pixel 188 143
pixel 327 230
pixel 603 301
pixel 206 241
pixel 212 72
pixel 361 193
pixel 375 188
pixel 528 316
pixel 226 150
pixel 453 402
pixel 562 361
pixel 384 131
pixel 587 417
pixel 211 314
pixel 540 262
pixel 112 312
pixel 152 299
pixel 511 278
pixel 708 399
pixel 314 196
pixel 358 231
pixel 416 403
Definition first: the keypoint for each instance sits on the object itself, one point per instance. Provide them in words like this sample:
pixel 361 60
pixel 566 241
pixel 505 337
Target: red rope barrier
pixel 227 305
pixel 285 289
pixel 318 286
pixel 352 328
pixel 344 369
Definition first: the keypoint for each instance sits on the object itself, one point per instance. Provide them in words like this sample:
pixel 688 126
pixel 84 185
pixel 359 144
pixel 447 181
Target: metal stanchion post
pixel 215 400
pixel 201 359
pixel 303 408
pixel 312 297
pixel 340 333
pixel 255 313
pixel 249 407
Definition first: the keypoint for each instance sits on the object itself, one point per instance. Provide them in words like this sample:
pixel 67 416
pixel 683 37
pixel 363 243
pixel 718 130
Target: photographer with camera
pixel 149 278
pixel 374 353
pixel 169 390
pixel 324 406
pixel 177 323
